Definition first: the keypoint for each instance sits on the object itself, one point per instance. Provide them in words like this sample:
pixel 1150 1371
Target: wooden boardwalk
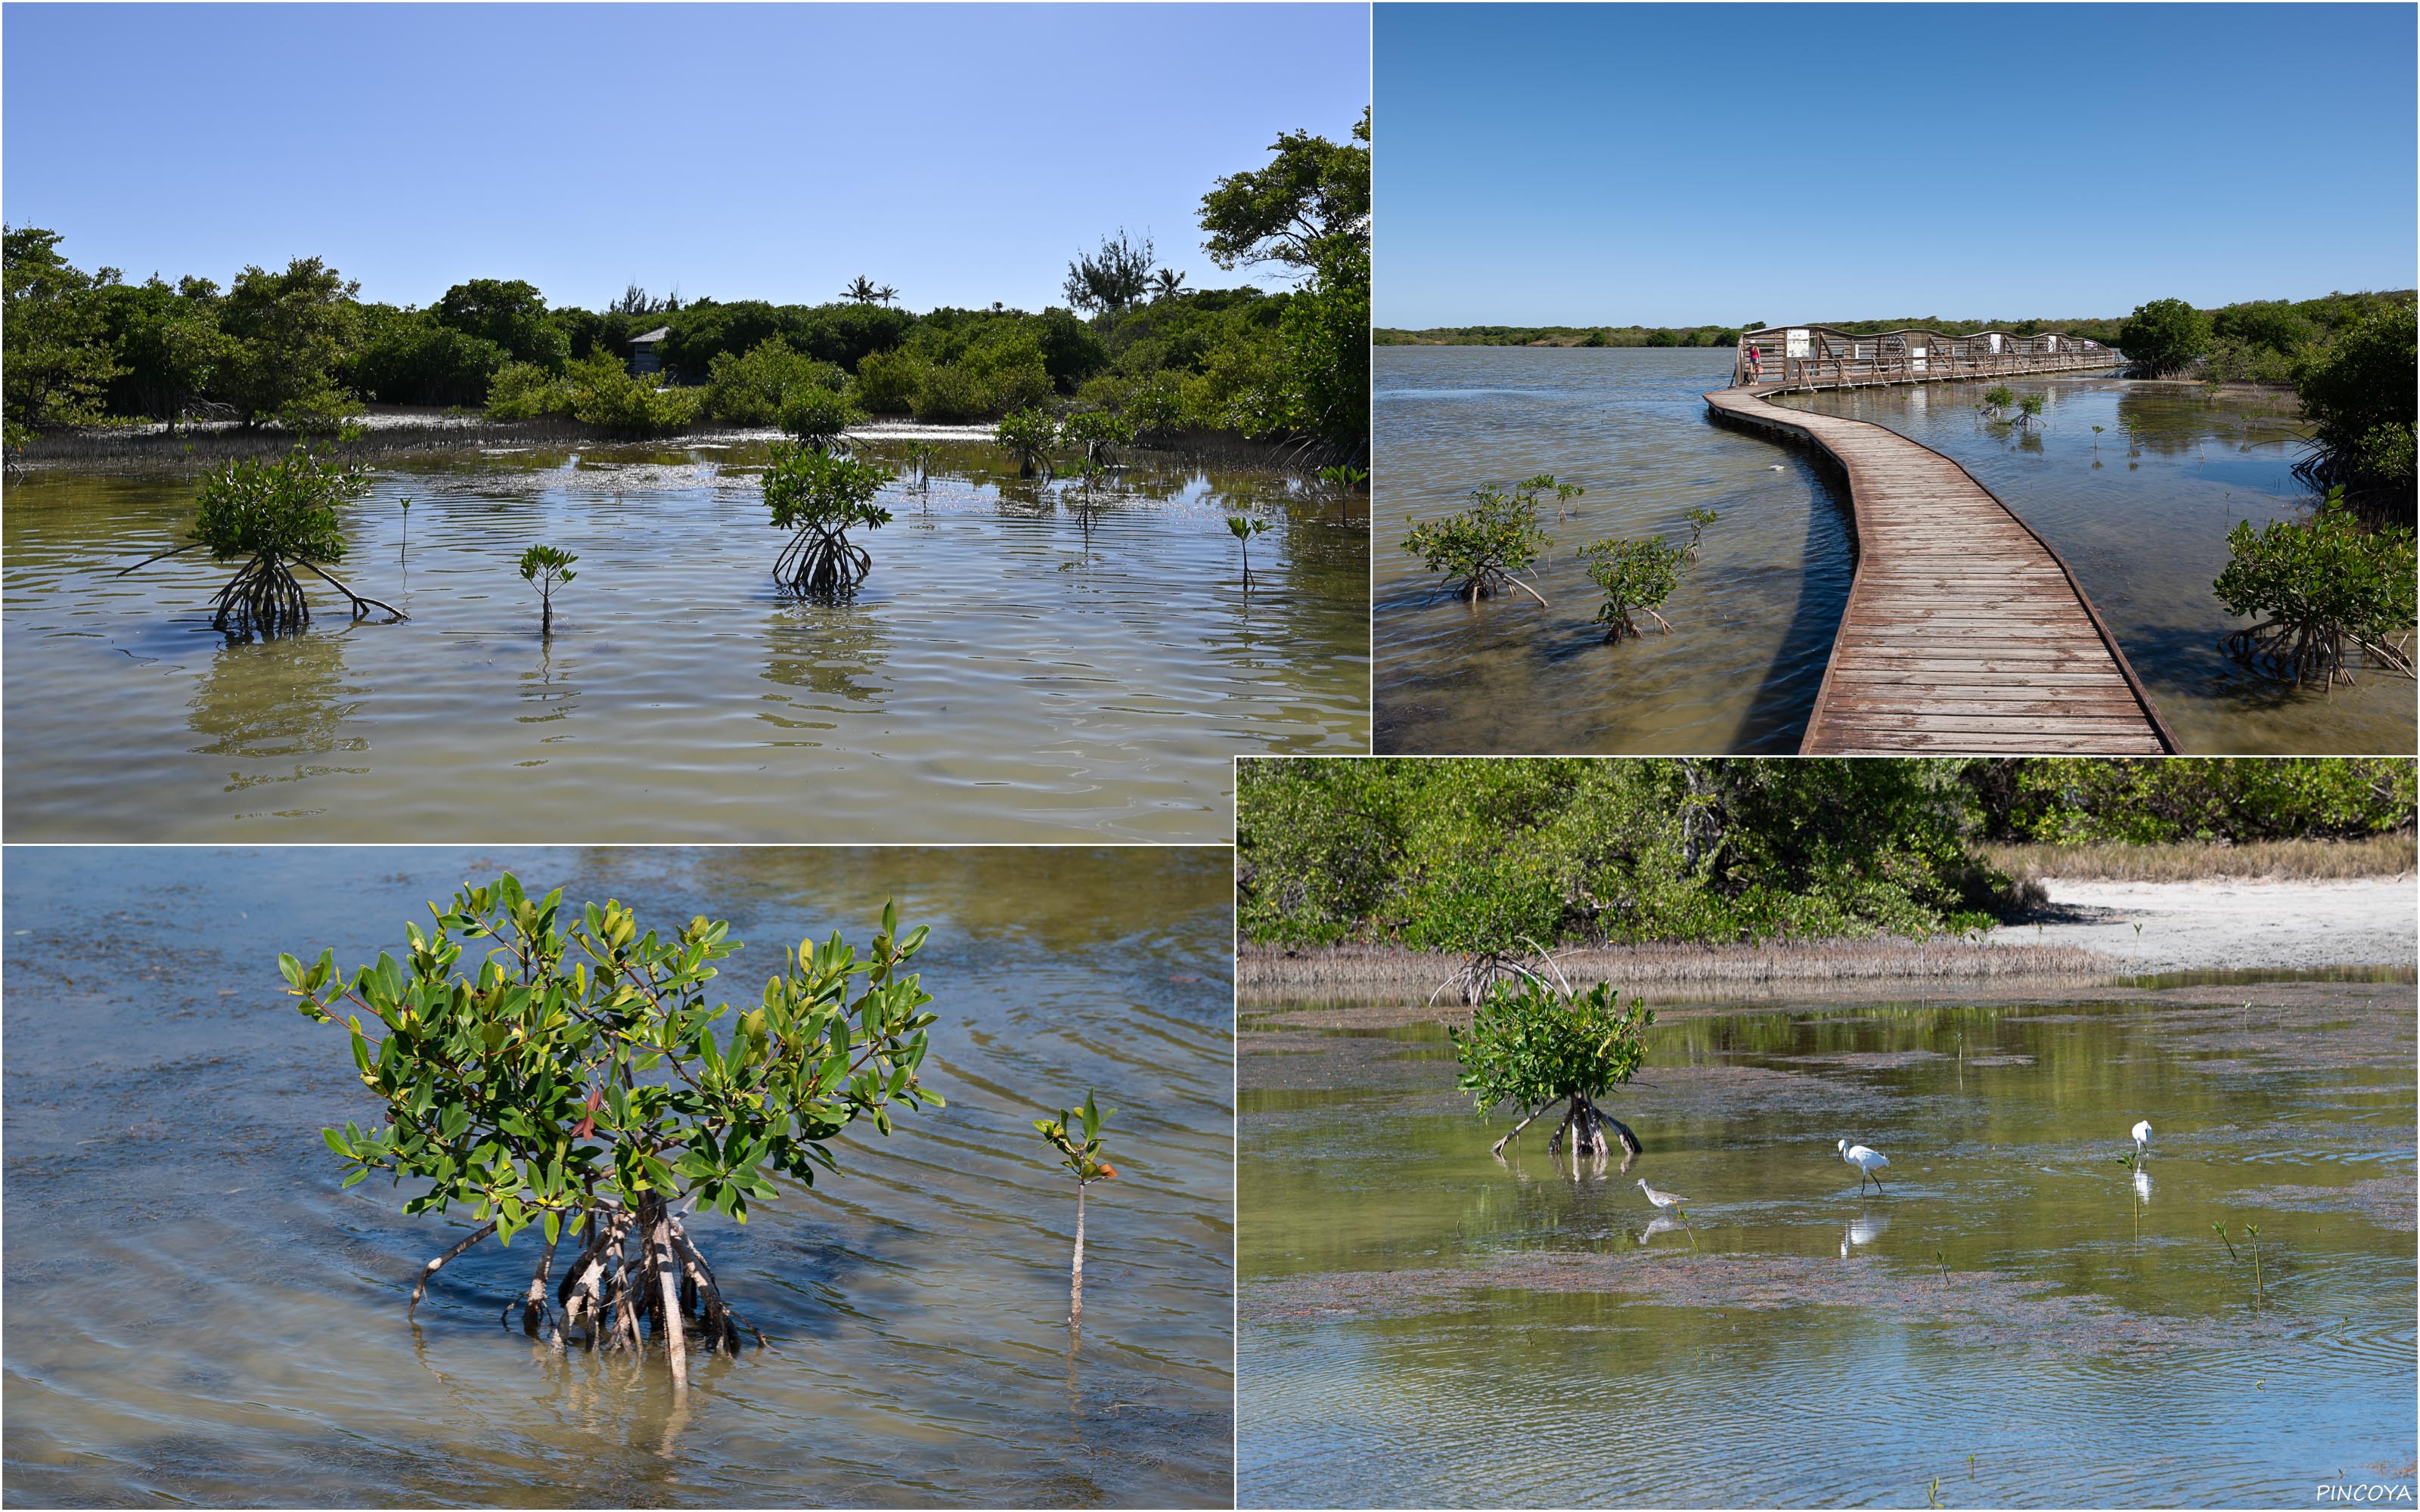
pixel 1964 633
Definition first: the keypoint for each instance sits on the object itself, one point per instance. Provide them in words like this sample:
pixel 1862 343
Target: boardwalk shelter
pixel 1819 356
pixel 643 358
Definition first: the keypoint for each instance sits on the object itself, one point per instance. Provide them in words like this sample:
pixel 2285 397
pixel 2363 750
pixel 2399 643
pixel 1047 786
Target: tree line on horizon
pixel 298 347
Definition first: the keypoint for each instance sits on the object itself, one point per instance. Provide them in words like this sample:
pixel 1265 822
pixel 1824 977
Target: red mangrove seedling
pixel 276 516
pixel 1345 479
pixel 1480 550
pixel 1997 400
pixel 818 496
pixel 1698 519
pixel 1243 527
pixel 2220 1229
pixel 1100 434
pixel 574 1075
pixel 1564 492
pixel 1539 1045
pixel 2029 411
pixel 1076 1134
pixel 547 569
pixel 1027 435
pixel 1635 577
pixel 920 457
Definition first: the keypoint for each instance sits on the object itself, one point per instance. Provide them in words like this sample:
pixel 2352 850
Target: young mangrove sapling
pixel 1099 433
pixel 276 516
pixel 1997 400
pixel 819 495
pixel 1698 519
pixel 1345 479
pixel 1083 1159
pixel 1480 550
pixel 1635 577
pixel 548 569
pixel 1243 527
pixel 1027 435
pixel 571 1078
pixel 1537 1045
pixel 2029 411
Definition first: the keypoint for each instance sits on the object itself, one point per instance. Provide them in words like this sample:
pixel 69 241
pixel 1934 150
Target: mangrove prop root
pixel 420 1286
pixel 821 562
pixel 533 1305
pixel 2296 651
pixel 717 1309
pixel 361 603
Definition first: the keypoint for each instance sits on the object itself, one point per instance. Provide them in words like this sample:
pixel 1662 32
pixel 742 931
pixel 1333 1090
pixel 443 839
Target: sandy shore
pixel 2231 924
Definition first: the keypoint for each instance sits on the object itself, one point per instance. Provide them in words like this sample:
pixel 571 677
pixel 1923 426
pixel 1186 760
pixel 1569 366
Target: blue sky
pixel 1721 163
pixel 961 153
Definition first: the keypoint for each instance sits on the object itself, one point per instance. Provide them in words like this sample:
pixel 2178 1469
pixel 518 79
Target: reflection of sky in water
pixel 1024 661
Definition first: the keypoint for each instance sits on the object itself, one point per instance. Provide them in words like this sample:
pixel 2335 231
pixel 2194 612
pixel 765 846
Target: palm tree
pixel 886 293
pixel 862 291
pixel 1167 284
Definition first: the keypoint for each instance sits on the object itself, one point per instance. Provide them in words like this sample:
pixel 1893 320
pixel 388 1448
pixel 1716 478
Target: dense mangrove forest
pixel 93 354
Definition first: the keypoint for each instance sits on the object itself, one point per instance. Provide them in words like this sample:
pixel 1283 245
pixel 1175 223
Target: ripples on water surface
pixel 1014 669
pixel 1754 619
pixel 195 1313
pixel 1505 1334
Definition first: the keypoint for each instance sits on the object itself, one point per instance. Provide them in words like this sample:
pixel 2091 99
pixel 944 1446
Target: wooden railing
pixel 1817 357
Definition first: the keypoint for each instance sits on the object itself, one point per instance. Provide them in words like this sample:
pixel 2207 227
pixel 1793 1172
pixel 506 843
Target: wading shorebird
pixel 1662 1200
pixel 1867 1162
pixel 2142 1137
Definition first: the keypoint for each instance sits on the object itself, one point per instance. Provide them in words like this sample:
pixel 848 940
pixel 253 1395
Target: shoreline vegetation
pixel 1408 876
pixel 101 363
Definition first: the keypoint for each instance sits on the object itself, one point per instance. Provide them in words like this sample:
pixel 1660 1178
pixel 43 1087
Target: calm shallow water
pixel 1752 621
pixel 1510 1334
pixel 195 1313
pixel 2144 528
pixel 1015 668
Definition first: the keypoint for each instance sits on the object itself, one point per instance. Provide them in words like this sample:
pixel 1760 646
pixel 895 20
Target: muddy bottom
pixel 2010 1291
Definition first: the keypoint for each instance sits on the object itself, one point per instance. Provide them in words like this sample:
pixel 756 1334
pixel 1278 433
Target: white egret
pixel 2142 1137
pixel 1867 1162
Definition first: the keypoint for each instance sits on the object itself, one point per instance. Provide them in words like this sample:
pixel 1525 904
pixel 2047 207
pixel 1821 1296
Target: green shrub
pixel 2163 335
pixel 2361 398
pixel 818 416
pixel 569 1076
pixel 1636 577
pixel 603 394
pixel 887 382
pixel 751 389
pixel 951 396
pixel 820 497
pixel 1479 550
pixel 525 391
pixel 2327 592
pixel 1532 1046
pixel 1028 436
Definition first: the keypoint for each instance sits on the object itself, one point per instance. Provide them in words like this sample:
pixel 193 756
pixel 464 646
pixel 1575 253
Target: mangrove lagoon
pixel 2140 510
pixel 2015 1319
pixel 1027 659
pixel 200 1312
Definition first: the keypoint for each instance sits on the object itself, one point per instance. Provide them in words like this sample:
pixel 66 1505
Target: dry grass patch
pixel 1272 974
pixel 2295 860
